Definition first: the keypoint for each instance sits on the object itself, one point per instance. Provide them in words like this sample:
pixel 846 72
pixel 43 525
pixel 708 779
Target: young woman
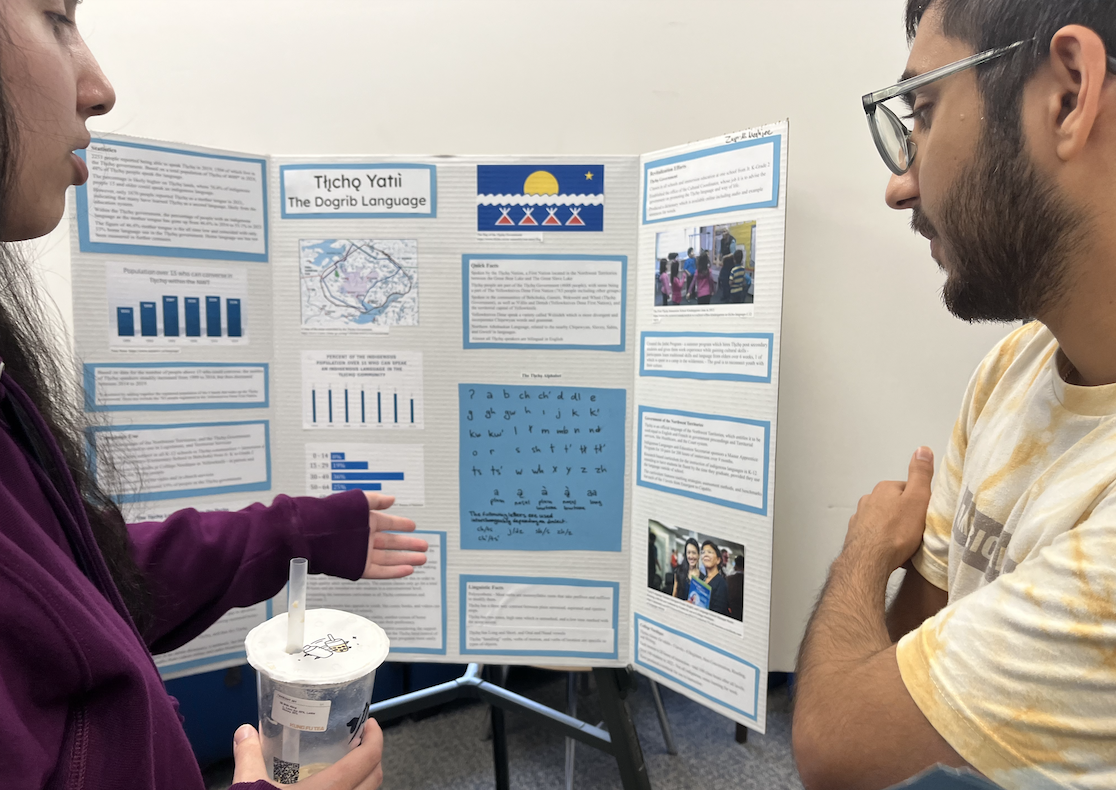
pixel 86 597
pixel 724 279
pixel 715 578
pixel 664 281
pixel 677 283
pixel 688 568
pixel 703 284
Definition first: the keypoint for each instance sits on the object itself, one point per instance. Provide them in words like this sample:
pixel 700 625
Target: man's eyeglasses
pixel 892 137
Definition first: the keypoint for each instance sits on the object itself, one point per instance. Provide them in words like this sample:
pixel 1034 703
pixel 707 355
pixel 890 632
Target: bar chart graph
pixel 362 389
pixel 395 469
pixel 169 305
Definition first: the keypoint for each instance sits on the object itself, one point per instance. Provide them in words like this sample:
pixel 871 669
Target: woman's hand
pixel 360 769
pixel 390 555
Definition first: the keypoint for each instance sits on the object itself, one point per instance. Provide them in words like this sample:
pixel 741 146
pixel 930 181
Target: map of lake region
pixel 349 283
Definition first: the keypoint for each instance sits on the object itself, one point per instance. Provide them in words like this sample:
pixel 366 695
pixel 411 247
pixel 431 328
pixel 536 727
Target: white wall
pixel 872 364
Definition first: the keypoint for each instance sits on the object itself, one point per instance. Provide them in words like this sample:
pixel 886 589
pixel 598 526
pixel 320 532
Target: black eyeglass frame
pixel 873 102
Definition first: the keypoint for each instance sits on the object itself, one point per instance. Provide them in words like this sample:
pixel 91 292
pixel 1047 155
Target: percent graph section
pixel 346 389
pixel 156 306
pixel 395 469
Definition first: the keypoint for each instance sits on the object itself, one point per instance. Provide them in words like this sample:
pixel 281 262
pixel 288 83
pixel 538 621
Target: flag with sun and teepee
pixel 537 198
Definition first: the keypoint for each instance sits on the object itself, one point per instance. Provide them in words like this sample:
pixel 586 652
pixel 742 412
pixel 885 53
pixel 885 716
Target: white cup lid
pixel 339 647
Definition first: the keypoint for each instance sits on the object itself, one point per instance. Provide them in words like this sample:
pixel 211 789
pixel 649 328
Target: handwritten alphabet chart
pixel 542 468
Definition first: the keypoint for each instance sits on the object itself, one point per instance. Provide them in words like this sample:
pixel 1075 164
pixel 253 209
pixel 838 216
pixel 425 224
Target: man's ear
pixel 1078 66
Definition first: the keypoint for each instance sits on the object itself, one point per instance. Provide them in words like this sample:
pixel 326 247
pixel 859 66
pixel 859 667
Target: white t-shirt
pixel 1018 672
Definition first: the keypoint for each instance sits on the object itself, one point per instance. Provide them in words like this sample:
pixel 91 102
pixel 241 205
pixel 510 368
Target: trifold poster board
pixel 487 339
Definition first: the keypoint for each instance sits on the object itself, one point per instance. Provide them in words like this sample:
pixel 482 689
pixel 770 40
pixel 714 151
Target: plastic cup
pixel 313 703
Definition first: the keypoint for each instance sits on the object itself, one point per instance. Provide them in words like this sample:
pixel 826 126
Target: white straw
pixel 296 605
pixel 290 746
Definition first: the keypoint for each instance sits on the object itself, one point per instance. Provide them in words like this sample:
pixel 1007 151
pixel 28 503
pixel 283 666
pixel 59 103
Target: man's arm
pixel 917 601
pixel 855 724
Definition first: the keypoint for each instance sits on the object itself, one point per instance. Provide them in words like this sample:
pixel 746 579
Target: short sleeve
pixel 1020 676
pixel 932 558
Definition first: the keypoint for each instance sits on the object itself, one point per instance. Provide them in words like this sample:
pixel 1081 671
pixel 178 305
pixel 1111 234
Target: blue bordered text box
pixel 526 291
pixel 371 213
pixel 86 245
pixel 686 374
pixel 639 661
pixel 90 382
pixel 463 605
pixel 141 496
pixel 777 139
pixel 432 650
pixel 766 426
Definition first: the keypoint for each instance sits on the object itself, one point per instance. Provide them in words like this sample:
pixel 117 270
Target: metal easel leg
pixel 664 724
pixel 614 685
pixel 499 734
pixel 571 709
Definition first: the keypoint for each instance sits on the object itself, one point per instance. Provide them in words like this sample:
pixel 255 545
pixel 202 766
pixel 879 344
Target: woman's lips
pixel 81 174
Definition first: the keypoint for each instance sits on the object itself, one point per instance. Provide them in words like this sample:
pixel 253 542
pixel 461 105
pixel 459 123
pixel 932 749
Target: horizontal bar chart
pixel 389 469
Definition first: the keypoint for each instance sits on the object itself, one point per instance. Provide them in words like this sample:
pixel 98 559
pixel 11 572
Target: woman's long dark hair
pixel 47 372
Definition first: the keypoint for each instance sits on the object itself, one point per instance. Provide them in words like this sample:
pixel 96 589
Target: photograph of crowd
pixel 701 266
pixel 696 568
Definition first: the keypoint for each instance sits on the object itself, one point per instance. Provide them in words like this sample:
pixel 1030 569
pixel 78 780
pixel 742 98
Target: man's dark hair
pixel 986 24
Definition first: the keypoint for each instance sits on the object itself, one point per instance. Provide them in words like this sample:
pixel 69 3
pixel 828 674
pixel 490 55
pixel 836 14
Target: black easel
pixel 613 685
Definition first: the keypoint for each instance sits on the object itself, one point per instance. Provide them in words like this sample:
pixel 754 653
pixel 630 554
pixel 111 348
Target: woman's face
pixel 54 86
pixel 709 558
pixel 692 555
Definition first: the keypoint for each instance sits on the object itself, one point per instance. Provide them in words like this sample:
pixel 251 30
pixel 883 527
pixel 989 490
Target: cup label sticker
pixel 300 714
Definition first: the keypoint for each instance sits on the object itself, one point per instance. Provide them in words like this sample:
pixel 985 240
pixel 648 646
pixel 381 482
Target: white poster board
pixel 485 338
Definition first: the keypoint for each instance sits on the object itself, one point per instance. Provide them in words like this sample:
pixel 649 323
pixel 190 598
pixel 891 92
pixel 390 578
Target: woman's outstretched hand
pixel 391 555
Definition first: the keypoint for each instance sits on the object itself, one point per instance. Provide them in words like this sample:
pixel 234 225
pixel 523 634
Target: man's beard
pixel 1007 235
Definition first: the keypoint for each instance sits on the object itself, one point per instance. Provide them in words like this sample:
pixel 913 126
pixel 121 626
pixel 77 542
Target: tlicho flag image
pixel 538 198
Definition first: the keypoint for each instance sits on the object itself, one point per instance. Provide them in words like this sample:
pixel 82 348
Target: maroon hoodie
pixel 81 702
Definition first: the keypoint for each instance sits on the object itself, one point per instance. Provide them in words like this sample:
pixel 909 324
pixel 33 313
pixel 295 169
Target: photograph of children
pixel 714 265
pixel 696 568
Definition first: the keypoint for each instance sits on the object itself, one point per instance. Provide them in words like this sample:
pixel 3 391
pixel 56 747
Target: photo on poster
pixel 357 285
pixel 540 198
pixel 709 265
pixel 696 569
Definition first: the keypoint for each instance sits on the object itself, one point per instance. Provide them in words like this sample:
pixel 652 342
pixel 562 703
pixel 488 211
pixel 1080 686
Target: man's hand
pixel 888 524
pixel 360 769
pixel 390 555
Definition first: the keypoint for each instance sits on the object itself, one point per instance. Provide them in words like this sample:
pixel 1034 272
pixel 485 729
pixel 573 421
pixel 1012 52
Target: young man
pixel 1006 618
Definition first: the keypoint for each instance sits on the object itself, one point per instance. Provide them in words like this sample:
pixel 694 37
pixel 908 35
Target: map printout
pixel 359 283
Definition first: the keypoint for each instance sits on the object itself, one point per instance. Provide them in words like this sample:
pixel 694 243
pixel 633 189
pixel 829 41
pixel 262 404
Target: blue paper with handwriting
pixel 541 468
